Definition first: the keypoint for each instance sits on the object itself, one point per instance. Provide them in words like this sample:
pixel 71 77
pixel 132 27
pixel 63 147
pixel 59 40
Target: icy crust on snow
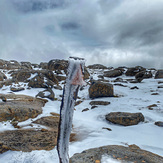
pixel 67 107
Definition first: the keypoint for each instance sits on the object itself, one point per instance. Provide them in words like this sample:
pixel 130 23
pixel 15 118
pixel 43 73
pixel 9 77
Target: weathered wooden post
pixel 73 82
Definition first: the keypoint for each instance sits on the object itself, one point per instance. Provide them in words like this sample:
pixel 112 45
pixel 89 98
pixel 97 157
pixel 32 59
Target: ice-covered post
pixel 73 82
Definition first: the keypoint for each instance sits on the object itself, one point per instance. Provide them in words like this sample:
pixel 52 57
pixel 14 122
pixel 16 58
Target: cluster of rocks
pixel 43 75
pixel 18 108
pixel 139 72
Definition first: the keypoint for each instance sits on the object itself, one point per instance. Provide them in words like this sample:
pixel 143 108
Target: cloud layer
pixel 110 32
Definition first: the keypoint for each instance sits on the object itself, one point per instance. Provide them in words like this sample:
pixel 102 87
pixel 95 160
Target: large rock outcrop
pixel 124 154
pixel 49 121
pixel 19 107
pixel 134 70
pixel 28 140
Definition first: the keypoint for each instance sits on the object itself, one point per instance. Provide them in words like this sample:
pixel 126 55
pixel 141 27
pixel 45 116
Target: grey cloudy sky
pixel 110 32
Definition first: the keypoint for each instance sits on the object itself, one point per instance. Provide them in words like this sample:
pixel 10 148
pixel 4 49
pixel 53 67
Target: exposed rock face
pixel 130 154
pixel 78 102
pixel 143 75
pixel 57 64
pixel 43 65
pixel 99 103
pixel 134 70
pixel 3 63
pixel 26 65
pixel 60 78
pixel 97 66
pixel 50 121
pixel 40 81
pixel 100 89
pixel 35 65
pixel 86 74
pixel 21 75
pixel 159 74
pixel 28 140
pixel 13 65
pixel 37 82
pixel 14 89
pixel 3 148
pixel 49 75
pixel 2 76
pixel 20 107
pixel 47 94
pixel 6 82
pixel 124 118
pixel 113 73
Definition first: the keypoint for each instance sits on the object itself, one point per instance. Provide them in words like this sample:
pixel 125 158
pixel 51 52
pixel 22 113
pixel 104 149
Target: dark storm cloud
pixel 36 5
pixel 132 27
pixel 131 23
pixel 111 32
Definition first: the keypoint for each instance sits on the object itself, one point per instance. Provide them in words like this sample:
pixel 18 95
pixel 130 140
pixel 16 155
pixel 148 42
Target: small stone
pixel 15 124
pixel 119 84
pixel 159 123
pixel 135 87
pixel 161 86
pixel 44 130
pixel 109 129
pixel 86 109
pixel 14 89
pixel 94 107
pixel 155 94
pixel 99 103
pixel 150 107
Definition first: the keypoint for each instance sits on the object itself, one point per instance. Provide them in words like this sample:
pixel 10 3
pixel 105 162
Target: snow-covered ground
pixel 89 124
